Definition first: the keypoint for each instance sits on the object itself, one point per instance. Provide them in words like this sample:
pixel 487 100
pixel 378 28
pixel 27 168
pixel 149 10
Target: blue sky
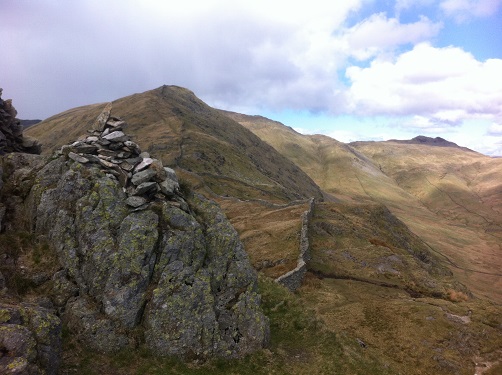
pixel 353 70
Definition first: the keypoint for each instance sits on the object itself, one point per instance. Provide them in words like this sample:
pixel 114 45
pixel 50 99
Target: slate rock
pixel 133 147
pixel 116 123
pixel 85 149
pixel 135 201
pixel 77 158
pixel 144 163
pixel 143 176
pixel 134 161
pixel 146 187
pixel 160 173
pixel 106 152
pixel 168 187
pixel 116 136
pixel 91 158
pixel 126 166
pixel 116 146
pixel 91 139
pixel 100 122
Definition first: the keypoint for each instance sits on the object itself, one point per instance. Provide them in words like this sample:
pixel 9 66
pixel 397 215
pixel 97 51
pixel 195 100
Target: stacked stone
pixel 143 178
pixel 11 131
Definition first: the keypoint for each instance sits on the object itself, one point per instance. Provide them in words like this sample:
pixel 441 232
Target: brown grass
pixel 270 234
pixel 456 296
pixel 379 242
pixel 448 196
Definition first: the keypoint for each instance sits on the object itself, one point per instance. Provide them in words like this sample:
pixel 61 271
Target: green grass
pixel 299 344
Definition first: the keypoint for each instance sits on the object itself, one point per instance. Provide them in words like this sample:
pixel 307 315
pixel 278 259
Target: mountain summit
pixel 181 130
pixel 423 140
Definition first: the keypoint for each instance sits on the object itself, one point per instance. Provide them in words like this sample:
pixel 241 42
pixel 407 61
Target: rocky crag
pixel 11 131
pixel 141 261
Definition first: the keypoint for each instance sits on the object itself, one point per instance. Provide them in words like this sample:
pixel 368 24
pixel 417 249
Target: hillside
pixel 175 126
pixel 403 270
pixel 460 188
pixel 449 196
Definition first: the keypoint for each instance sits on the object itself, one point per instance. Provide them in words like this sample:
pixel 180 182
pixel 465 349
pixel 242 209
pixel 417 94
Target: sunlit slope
pixel 464 191
pixel 337 168
pixel 374 280
pixel 269 232
pixel 459 185
pixel 450 197
pixel 174 125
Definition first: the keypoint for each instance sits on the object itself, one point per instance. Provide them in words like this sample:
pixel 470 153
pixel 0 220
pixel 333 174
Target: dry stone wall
pixel 293 279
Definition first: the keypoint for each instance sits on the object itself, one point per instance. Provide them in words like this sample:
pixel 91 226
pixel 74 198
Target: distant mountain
pixel 446 195
pixel 421 140
pixel 27 123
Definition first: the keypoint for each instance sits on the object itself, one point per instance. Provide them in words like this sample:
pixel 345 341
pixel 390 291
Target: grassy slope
pixel 270 233
pixel 449 197
pixel 463 191
pixel 372 281
pixel 174 125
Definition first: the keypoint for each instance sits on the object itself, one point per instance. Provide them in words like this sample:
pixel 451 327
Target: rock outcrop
pixel 141 263
pixel 11 131
pixel 30 340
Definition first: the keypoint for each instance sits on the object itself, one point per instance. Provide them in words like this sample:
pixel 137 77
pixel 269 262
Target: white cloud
pixel 495 130
pixel 345 136
pixel 253 54
pixel 408 4
pixel 463 10
pixel 426 125
pixel 277 54
pixel 444 85
pixel 378 33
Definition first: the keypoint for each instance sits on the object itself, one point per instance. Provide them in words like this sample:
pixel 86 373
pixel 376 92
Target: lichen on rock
pixel 30 340
pixel 141 263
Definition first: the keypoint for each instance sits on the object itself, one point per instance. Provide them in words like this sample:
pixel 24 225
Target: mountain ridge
pixel 421 140
pixel 168 121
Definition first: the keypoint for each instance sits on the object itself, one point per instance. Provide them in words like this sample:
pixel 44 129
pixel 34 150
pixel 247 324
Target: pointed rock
pixel 143 164
pixel 103 118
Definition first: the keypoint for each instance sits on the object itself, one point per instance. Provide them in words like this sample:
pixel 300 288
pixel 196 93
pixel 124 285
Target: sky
pixel 353 70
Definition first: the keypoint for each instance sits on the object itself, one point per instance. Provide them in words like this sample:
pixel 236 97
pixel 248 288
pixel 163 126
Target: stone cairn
pixel 141 177
pixel 11 131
